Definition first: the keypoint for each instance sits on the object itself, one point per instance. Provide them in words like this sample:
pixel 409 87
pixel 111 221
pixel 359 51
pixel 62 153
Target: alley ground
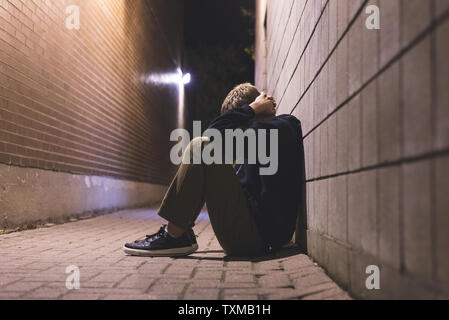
pixel 33 265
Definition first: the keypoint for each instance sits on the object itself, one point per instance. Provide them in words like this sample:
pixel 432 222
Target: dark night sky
pixel 218 21
pixel 216 34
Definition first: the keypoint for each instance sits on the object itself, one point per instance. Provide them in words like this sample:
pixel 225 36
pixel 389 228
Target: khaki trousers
pixel 218 186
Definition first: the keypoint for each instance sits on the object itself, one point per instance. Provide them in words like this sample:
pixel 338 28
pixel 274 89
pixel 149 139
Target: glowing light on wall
pixel 186 78
pixel 181 98
pixel 179 79
pixel 168 78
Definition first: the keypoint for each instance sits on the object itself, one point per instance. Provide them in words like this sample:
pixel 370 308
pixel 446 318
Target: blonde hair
pixel 242 94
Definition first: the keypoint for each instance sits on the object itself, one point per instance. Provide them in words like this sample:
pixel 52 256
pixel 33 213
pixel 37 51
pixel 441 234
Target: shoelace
pixel 161 232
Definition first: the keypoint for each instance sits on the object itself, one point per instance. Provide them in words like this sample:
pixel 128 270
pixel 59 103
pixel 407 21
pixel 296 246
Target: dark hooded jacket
pixel 273 200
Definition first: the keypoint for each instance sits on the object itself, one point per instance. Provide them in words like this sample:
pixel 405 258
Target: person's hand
pixel 264 105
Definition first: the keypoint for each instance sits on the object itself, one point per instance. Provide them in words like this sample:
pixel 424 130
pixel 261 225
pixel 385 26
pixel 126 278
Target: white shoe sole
pixel 175 252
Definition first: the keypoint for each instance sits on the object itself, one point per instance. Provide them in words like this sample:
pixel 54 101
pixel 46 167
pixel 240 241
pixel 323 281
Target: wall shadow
pixel 279 254
pixel 301 222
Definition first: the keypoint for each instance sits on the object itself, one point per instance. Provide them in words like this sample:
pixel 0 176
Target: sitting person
pixel 251 213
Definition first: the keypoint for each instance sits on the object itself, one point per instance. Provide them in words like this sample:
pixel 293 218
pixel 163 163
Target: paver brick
pixel 311 280
pixel 275 280
pixel 201 294
pixel 239 277
pixel 324 294
pixel 107 273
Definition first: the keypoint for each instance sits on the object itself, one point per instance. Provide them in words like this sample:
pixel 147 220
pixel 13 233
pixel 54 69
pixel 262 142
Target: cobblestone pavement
pixel 33 265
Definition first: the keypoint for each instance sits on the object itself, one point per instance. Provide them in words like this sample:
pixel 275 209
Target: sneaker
pixel 162 244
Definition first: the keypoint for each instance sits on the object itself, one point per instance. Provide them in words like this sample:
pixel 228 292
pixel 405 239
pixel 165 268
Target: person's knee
pixel 194 149
pixel 198 141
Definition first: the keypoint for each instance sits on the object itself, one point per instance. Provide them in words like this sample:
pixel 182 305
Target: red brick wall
pixel 74 100
pixel 374 109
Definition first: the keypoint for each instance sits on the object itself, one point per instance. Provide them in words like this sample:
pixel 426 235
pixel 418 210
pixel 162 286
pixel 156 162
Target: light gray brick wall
pixel 374 110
